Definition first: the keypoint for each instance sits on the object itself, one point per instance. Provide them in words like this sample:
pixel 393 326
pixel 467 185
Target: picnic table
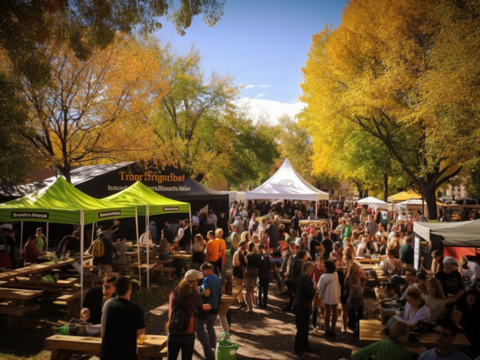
pixel 13 305
pixel 36 268
pixel 64 346
pixel 371 331
pixel 23 282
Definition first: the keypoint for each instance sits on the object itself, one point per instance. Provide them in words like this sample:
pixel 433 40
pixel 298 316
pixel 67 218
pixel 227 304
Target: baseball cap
pixel 192 275
pixel 449 260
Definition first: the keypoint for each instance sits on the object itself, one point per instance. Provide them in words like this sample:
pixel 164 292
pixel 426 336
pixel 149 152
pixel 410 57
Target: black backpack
pixel 179 321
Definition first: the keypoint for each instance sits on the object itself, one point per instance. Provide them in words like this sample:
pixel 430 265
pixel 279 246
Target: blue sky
pixel 262 44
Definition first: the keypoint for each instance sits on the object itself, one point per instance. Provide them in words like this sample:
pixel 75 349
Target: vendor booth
pixel 453 238
pixel 62 203
pixel 372 202
pixel 148 203
pixel 287 184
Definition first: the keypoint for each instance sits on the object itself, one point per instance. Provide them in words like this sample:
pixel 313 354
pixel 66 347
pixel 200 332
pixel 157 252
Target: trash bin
pixel 226 350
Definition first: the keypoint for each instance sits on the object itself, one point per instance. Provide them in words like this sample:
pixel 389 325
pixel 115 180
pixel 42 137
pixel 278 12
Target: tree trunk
pixel 385 187
pixel 65 170
pixel 429 194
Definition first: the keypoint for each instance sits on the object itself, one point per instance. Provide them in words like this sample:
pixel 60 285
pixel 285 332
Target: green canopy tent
pixel 62 203
pixel 147 202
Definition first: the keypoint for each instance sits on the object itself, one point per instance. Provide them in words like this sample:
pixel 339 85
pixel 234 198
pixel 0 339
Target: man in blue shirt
pixel 446 331
pixel 153 232
pixel 211 290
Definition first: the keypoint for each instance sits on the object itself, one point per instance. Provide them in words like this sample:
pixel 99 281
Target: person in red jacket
pixel 30 252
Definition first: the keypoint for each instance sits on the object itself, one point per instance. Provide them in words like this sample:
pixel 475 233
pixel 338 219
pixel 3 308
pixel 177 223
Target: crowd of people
pixel 319 273
pixel 313 264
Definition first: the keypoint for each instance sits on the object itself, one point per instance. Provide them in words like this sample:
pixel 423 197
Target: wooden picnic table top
pixel 367 260
pixel 27 283
pixel 36 268
pixel 371 331
pixel 151 347
pixel 181 256
pixel 19 294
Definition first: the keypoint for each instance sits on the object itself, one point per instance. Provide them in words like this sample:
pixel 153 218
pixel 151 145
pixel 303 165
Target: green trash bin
pixel 226 350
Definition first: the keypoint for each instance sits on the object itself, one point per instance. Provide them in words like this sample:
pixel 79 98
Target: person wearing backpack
pixel 184 303
pixel 103 259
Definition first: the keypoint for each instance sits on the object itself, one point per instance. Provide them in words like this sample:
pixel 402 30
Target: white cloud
pixel 264 86
pixel 260 95
pixel 269 109
pixel 245 86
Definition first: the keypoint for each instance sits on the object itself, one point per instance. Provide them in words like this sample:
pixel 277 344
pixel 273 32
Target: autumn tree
pixel 15 161
pixel 85 26
pixel 383 73
pixel 92 109
pixel 199 129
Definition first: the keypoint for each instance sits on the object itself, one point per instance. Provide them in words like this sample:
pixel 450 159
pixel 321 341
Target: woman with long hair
pixel 239 265
pixel 329 291
pixel 354 291
pixel 253 264
pixel 184 296
pixel 30 252
pixel 435 299
pixel 198 247
pixel 415 309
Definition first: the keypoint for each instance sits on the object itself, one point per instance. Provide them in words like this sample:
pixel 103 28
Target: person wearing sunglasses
pixel 95 299
pixel 446 333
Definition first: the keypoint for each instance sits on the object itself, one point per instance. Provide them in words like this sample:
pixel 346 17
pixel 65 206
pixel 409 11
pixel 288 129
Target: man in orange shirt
pixel 223 246
pixel 213 252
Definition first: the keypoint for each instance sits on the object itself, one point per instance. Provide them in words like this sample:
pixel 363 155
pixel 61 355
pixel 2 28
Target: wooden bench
pixel 71 301
pixel 14 307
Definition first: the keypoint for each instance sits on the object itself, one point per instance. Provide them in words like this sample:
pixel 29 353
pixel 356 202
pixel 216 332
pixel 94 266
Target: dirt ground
pixel 269 333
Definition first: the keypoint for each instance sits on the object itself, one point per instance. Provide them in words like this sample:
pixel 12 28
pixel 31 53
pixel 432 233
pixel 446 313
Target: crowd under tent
pixel 453 238
pixel 287 184
pixel 62 203
pixel 147 203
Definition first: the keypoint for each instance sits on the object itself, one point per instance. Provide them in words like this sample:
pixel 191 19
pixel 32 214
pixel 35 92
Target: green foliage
pixel 403 74
pixel 14 160
pixel 199 128
pixel 86 25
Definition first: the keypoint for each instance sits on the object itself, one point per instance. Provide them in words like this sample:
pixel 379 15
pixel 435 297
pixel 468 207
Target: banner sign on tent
pixel 30 215
pixel 105 214
pixel 171 208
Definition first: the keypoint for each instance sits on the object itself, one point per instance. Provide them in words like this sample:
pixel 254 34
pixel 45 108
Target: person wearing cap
pixel 451 280
pixel 210 289
pixel 185 294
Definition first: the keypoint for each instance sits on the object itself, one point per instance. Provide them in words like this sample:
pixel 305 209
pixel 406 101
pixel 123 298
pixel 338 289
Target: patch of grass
pixel 29 344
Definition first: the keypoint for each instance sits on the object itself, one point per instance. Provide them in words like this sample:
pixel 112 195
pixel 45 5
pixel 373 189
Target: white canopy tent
pixel 372 201
pixel 287 184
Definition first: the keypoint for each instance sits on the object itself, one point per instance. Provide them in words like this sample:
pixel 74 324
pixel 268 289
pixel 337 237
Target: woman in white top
pixel 435 299
pixel 329 292
pixel 415 309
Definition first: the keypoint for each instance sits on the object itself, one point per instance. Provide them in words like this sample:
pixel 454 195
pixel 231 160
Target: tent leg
pixel 138 249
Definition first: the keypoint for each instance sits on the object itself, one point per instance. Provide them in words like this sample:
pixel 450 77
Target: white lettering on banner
pixel 116 188
pixel 30 215
pixel 171 208
pixel 109 214
pixel 171 188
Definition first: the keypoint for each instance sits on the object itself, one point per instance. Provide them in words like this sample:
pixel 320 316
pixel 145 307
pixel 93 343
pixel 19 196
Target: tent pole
pixel 191 245
pixel 138 249
pixel 82 250
pixel 316 209
pixel 48 229
pixel 21 235
pixel 147 216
